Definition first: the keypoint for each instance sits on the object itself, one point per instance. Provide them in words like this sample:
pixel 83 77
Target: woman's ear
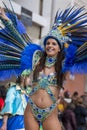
pixel 59 49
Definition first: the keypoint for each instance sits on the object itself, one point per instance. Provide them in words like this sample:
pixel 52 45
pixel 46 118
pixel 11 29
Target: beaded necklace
pixel 50 61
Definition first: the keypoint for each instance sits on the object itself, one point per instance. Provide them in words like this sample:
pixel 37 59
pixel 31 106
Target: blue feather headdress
pixel 70 30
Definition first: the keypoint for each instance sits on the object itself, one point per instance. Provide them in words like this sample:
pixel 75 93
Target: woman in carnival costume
pixel 15 103
pixel 65 49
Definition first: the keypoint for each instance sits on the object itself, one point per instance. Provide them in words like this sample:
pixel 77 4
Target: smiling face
pixel 52 47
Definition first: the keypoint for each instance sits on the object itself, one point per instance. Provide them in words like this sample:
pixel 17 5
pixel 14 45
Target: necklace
pixel 50 61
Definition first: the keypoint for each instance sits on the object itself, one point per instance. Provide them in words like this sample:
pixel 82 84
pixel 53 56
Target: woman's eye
pixel 51 43
pixel 48 43
pixel 54 43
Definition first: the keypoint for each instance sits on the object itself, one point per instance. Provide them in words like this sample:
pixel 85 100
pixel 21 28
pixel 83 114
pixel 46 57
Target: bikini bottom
pixel 39 113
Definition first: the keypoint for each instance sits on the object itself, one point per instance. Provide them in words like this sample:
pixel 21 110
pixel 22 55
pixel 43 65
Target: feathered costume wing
pixel 71 26
pixel 17 49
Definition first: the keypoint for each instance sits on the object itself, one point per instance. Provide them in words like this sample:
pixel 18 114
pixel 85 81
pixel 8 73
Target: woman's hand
pixel 4 127
pixel 3 15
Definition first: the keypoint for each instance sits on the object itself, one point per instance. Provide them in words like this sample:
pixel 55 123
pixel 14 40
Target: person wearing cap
pixel 15 103
pixel 67 97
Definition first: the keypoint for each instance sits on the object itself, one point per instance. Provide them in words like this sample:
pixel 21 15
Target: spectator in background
pixel 67 97
pixel 2 96
pixel 60 109
pixel 60 112
pixel 68 117
pixel 84 96
pixel 81 113
pixel 15 103
pixel 74 97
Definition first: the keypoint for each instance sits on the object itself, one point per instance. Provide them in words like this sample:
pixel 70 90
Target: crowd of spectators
pixel 73 111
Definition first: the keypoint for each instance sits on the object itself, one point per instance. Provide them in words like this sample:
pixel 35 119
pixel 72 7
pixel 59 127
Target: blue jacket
pixel 16 101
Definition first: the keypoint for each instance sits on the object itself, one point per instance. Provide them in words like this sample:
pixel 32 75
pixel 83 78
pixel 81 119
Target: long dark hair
pixel 19 80
pixel 58 68
pixel 3 91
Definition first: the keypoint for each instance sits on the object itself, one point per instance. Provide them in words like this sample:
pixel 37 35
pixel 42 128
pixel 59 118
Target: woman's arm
pixel 2 14
pixel 10 27
pixel 4 125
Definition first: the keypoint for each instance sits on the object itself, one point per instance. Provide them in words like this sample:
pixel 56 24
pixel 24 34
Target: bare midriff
pixel 42 99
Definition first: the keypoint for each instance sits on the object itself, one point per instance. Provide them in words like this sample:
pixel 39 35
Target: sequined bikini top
pixel 46 80
pixel 43 80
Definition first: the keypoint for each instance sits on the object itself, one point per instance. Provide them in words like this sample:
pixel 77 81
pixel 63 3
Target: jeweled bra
pixel 46 80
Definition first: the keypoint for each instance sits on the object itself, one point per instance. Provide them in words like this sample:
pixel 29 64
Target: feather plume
pixel 16 47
